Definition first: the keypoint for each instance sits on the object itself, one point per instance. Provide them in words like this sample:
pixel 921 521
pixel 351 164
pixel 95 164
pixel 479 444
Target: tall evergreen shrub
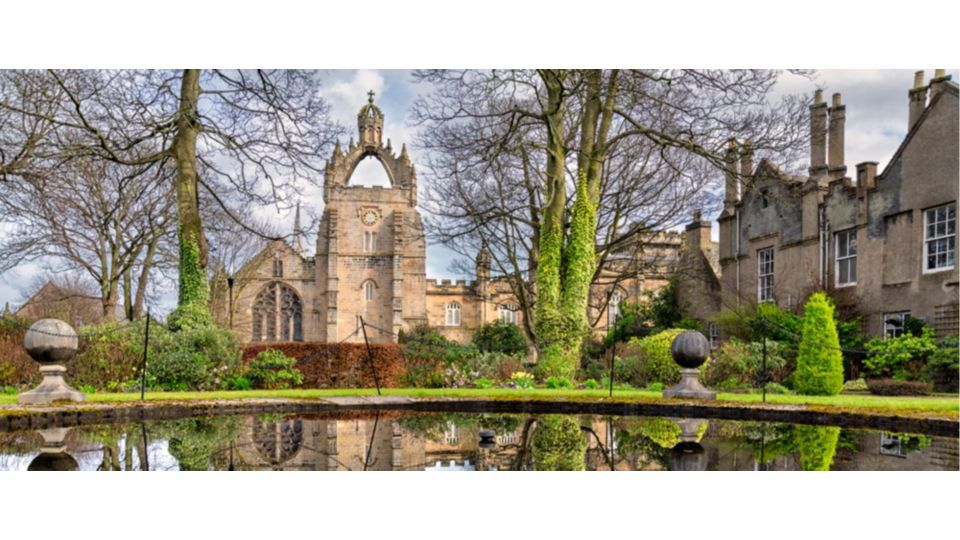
pixel 819 362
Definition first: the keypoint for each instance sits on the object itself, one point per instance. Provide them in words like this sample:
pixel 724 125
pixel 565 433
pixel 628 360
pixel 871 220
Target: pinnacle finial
pixel 370 95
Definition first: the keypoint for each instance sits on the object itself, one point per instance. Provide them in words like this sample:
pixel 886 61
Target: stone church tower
pixel 370 258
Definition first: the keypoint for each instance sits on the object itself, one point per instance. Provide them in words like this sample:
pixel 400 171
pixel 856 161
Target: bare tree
pixel 92 216
pixel 254 133
pixel 516 156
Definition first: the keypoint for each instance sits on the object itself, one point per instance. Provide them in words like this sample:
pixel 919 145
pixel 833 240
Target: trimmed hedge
pixel 819 361
pixel 893 387
pixel 338 365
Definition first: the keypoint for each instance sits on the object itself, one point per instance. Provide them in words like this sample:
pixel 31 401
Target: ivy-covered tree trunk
pixel 194 291
pixel 567 264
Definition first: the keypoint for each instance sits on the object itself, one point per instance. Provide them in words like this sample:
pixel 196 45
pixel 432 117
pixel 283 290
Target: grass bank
pixel 941 405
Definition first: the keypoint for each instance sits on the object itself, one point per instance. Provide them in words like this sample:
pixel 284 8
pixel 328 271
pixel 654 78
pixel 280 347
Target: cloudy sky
pixel 876 103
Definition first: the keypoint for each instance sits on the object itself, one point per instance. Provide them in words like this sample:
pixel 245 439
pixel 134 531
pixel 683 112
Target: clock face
pixel 369 217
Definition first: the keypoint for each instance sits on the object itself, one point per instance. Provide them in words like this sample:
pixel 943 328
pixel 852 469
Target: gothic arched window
pixel 453 314
pixel 277 314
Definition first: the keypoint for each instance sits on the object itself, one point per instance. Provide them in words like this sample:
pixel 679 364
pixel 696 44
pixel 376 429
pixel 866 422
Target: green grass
pixel 852 403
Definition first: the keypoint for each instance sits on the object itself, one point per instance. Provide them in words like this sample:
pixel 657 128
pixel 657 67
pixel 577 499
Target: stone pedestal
pixel 689 386
pixel 51 342
pixel 52 388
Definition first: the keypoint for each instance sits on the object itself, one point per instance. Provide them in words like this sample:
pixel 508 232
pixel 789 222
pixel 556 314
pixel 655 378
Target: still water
pixel 435 442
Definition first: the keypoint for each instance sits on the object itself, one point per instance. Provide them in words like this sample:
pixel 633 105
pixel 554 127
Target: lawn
pixel 938 403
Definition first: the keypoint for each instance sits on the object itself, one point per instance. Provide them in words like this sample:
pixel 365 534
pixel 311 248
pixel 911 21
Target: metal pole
pixel 143 368
pixel 376 379
pixel 230 299
pixel 146 454
pixel 613 360
pixel 763 375
pixel 376 421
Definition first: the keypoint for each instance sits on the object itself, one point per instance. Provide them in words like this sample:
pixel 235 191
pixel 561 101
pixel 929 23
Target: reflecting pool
pixel 391 440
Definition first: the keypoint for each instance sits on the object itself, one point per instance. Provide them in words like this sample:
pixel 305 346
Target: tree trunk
pixel 194 288
pixel 127 295
pixel 144 278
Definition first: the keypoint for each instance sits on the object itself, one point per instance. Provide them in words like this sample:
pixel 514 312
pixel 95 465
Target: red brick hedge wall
pixel 343 365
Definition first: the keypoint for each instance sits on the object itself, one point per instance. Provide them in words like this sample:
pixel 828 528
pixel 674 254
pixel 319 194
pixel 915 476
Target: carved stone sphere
pixel 690 349
pixel 50 341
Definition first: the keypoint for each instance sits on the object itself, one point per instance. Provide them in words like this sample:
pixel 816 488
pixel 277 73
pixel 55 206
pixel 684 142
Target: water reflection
pixel 391 440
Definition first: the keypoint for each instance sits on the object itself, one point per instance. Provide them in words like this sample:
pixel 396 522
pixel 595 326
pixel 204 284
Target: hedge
pixel 338 365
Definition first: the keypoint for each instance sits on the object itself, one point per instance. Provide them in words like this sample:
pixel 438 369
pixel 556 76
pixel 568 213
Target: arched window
pixel 277 314
pixel 613 308
pixel 508 313
pixel 368 290
pixel 453 314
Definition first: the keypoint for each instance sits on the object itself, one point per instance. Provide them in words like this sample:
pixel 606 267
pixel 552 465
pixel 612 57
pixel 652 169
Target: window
pixel 893 323
pixel 451 435
pixel 714 335
pixel 369 241
pixel 277 267
pixel 508 313
pixel 764 198
pixel 765 275
pixel 277 314
pixel 846 257
pixel 453 314
pixel 890 445
pixel 368 288
pixel 613 308
pixel 939 238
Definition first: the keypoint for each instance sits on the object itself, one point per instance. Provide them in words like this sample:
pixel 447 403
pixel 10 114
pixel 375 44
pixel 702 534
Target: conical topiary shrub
pixel 819 361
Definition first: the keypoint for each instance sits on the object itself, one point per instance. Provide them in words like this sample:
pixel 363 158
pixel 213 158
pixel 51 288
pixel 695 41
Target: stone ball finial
pixel 690 349
pixel 51 341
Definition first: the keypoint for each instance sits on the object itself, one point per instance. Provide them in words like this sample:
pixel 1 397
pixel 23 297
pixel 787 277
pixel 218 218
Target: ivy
pixel 194 294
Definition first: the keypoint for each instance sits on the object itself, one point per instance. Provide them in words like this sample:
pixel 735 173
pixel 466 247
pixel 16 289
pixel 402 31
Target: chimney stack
pixel 936 84
pixel 838 118
pixel 866 176
pixel 698 233
pixel 746 164
pixel 730 194
pixel 918 99
pixel 818 135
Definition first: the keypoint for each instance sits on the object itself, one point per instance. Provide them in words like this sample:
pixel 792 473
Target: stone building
pixel 883 244
pixel 53 301
pixel 370 262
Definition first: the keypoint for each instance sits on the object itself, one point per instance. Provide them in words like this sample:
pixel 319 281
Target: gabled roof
pixel 948 87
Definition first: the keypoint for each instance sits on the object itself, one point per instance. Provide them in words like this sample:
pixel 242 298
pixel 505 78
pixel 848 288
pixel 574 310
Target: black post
pixel 376 421
pixel 376 379
pixel 613 360
pixel 763 441
pixel 763 375
pixel 143 368
pixel 230 300
pixel 146 454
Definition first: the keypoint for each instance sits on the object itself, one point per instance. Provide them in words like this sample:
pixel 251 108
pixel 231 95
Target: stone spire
pixel 370 124
pixel 297 231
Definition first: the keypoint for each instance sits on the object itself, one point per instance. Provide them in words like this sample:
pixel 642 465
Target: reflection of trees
pixel 559 445
pixel 432 426
pixel 194 441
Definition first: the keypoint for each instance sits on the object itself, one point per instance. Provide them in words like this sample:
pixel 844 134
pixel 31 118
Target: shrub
pixel 894 387
pixel 238 382
pixel 522 379
pixel 273 370
pixel 192 359
pixel 655 387
pixel 648 360
pixel 483 383
pixel 857 385
pixel 900 358
pixel 590 384
pixel 819 362
pixel 558 444
pixel 558 382
pixel 339 365
pixel 502 337
pixel 942 368
pixel 429 356
pixel 739 364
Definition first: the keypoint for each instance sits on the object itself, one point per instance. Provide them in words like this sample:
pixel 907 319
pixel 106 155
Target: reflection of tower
pixel 278 442
pixel 53 454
